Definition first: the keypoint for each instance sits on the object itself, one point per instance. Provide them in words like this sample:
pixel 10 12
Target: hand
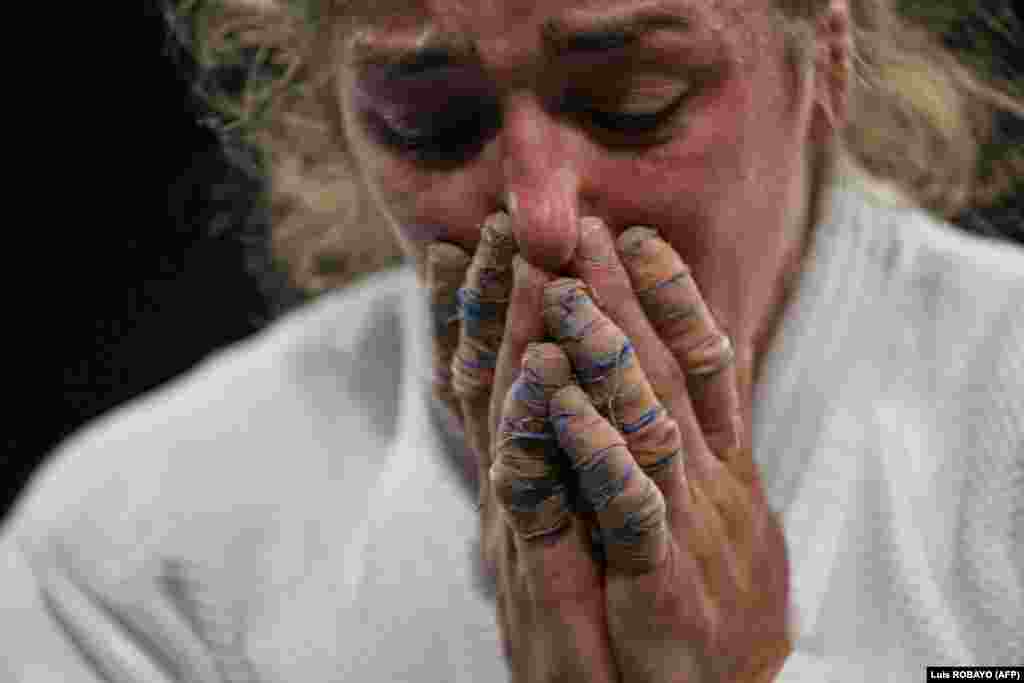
pixel 693 581
pixel 696 572
pixel 553 626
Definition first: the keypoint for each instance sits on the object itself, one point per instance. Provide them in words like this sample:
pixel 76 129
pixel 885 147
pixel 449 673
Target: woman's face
pixel 682 115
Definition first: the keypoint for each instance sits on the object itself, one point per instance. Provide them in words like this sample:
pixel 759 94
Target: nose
pixel 542 184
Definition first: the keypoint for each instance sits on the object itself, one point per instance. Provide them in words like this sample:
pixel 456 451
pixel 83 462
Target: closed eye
pixel 443 115
pixel 630 122
pixel 448 136
pixel 637 109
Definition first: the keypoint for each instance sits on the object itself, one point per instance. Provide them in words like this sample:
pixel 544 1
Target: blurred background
pixel 153 272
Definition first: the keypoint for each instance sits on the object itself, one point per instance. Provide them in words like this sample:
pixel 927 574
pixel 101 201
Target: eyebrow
pixel 610 33
pixel 430 50
pixel 594 34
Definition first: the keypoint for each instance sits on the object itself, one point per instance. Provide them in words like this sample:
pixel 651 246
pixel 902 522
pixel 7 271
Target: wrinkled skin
pixel 692 122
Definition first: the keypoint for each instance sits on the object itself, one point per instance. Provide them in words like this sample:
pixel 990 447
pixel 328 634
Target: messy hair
pixel 264 74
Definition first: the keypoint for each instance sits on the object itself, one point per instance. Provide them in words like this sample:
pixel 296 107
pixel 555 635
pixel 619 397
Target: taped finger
pixel 483 303
pixel 446 267
pixel 607 368
pixel 527 471
pixel 629 507
pixel 673 303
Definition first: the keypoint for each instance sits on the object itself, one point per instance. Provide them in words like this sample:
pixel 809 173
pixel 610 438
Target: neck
pixel 819 172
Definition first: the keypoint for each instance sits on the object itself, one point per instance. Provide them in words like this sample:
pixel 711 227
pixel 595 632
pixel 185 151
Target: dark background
pixel 138 281
pixel 123 283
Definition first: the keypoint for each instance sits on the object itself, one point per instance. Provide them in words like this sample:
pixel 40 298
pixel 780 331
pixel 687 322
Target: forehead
pixel 518 12
pixel 504 30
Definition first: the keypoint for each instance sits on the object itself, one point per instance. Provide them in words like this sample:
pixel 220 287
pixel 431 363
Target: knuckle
pixel 670 382
pixel 656 446
pixel 553 587
pixel 698 351
pixel 711 356
pixel 724 441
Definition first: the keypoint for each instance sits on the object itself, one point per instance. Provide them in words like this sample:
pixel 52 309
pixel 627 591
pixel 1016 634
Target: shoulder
pixel 908 241
pixel 970 289
pixel 924 319
pixel 965 287
pixel 309 402
pixel 945 313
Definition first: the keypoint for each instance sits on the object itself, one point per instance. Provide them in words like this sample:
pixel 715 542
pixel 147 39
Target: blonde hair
pixel 918 119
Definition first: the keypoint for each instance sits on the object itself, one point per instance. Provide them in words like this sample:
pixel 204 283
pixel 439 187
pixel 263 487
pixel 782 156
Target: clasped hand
pixel 621 510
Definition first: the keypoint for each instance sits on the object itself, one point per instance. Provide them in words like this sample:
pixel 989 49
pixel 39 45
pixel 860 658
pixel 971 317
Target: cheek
pixel 678 184
pixel 711 183
pixel 392 181
pixel 425 207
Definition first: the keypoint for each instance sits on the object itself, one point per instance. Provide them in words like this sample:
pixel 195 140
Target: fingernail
pixel 631 241
pixel 594 246
pixel 649 259
pixel 498 228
